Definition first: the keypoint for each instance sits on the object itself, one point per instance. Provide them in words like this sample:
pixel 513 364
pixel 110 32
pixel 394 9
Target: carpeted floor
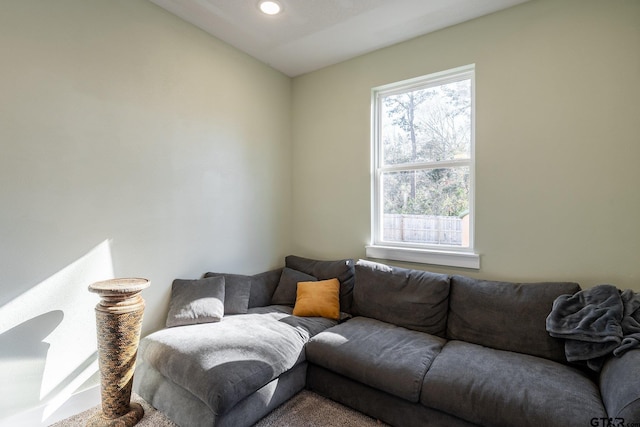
pixel 311 410
pixel 304 409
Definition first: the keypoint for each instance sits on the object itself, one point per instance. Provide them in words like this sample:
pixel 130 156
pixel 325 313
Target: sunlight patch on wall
pixel 48 336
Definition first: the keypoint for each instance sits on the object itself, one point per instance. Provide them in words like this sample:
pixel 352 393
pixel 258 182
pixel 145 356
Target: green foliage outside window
pixel 420 129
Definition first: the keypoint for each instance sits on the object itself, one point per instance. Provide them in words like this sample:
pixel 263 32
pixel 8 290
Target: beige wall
pixel 131 144
pixel 557 141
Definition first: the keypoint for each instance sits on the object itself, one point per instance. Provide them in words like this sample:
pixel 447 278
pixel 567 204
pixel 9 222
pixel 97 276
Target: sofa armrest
pixel 620 387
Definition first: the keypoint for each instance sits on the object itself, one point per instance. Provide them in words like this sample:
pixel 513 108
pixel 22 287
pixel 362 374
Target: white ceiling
pixel 311 34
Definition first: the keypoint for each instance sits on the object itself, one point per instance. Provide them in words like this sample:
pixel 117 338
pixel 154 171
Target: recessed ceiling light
pixel 270 7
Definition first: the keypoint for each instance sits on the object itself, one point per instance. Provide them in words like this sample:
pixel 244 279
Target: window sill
pixel 425 256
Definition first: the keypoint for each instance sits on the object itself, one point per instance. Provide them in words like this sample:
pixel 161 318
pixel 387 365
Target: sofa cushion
pixel 236 292
pixel 506 316
pixel 262 287
pixel 196 301
pixel 246 292
pixel 342 269
pixel 286 291
pixel 377 354
pixel 222 363
pixel 620 387
pixel 501 388
pixel 412 299
pixel 318 299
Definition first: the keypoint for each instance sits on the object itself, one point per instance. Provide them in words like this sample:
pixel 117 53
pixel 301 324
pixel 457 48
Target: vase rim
pixel 120 285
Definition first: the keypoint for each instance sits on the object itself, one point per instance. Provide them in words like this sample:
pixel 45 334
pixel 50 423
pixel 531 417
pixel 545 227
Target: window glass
pixel 427 125
pixel 423 148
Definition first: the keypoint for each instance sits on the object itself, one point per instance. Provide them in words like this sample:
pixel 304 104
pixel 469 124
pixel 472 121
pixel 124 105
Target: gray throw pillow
pixel 286 291
pixel 237 292
pixel 261 286
pixel 196 301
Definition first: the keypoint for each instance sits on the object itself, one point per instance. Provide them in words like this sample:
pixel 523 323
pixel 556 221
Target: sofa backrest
pixel 260 286
pixel 343 270
pixel 506 316
pixel 412 299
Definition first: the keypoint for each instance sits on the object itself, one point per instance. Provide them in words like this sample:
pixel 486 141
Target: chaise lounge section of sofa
pixel 232 368
pixel 418 349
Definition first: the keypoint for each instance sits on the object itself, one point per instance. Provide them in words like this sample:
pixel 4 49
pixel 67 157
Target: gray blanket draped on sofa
pixel 595 323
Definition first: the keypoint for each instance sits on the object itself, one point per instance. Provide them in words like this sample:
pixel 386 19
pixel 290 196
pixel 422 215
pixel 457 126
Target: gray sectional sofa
pixel 412 348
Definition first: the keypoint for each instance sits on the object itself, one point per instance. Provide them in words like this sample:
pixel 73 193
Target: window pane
pixel 426 206
pixel 427 125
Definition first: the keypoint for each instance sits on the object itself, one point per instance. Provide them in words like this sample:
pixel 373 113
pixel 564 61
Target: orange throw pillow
pixel 318 299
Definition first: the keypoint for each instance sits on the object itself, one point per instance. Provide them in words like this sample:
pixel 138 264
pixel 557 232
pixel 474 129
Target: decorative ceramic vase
pixel 118 323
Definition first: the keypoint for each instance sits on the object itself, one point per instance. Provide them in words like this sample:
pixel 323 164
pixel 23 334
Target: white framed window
pixel 423 170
